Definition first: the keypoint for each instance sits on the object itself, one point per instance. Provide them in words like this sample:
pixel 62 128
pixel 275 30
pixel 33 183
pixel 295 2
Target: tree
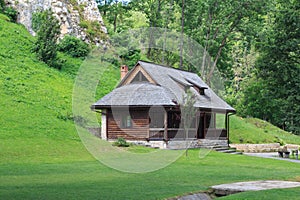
pixel 153 11
pixel 188 114
pixel 114 11
pixel 48 31
pixel 279 68
pixel 182 30
pixel 213 24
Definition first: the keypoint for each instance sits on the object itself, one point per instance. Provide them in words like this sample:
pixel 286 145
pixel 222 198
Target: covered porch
pixel 206 124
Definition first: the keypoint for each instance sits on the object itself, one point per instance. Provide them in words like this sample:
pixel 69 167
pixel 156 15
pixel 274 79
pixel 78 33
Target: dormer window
pixel 199 90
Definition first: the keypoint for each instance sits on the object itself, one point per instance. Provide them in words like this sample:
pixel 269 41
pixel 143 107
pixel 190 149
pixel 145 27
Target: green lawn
pixel 42 156
pixel 85 178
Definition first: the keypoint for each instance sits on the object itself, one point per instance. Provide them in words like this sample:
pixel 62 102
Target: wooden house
pixel 146 106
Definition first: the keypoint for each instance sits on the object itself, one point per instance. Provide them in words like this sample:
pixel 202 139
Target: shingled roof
pixel 168 89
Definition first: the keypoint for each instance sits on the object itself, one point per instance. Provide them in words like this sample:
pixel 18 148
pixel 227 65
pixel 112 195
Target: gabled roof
pixel 166 87
pixel 138 94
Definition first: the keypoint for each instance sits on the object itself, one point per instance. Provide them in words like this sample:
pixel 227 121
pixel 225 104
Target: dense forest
pixel 253 44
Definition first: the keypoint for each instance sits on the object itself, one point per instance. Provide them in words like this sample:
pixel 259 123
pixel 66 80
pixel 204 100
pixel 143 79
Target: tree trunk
pixel 182 29
pixel 115 22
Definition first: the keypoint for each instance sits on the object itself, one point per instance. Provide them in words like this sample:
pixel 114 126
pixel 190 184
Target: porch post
pixel 104 124
pixel 166 125
pixel 227 127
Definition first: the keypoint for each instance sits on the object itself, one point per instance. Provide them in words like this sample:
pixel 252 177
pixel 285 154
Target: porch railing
pixel 175 133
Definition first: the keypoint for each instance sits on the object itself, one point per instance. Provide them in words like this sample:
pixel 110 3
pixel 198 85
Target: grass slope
pixel 41 156
pixel 252 130
pixel 35 103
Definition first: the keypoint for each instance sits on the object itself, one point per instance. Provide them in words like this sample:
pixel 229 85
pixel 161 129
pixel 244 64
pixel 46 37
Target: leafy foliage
pixel 275 92
pixel 8 11
pixel 40 148
pixel 2 5
pixel 48 31
pixel 114 12
pixel 37 20
pixel 127 50
pixel 93 29
pixel 73 46
pixel 121 142
pixel 253 44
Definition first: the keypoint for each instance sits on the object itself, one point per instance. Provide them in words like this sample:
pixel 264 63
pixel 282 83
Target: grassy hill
pixel 252 130
pixel 35 102
pixel 42 157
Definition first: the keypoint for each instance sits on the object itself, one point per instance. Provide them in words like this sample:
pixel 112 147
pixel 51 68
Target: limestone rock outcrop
pixel 73 15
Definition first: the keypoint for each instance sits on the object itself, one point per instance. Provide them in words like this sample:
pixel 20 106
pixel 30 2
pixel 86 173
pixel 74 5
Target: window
pixel 139 78
pixel 126 121
pixel 156 118
pixel 199 90
pixel 174 119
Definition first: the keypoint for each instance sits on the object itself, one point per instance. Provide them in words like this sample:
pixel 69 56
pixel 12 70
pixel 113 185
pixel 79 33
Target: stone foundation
pixel 199 143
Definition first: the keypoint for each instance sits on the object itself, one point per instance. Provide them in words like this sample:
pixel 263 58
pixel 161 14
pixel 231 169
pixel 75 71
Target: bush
pixel 8 11
pixel 11 13
pixel 37 20
pixel 121 142
pixel 73 46
pixel 2 5
pixel 48 30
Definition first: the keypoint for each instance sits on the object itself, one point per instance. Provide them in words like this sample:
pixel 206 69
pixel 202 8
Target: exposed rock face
pixel 69 12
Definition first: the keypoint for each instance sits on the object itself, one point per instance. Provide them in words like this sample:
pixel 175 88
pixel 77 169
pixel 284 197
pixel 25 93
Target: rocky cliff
pixel 80 18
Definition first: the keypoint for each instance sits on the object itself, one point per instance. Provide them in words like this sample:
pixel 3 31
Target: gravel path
pixel 273 155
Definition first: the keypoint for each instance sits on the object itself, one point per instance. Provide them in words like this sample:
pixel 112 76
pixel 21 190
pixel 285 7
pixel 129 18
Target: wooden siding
pixel 139 129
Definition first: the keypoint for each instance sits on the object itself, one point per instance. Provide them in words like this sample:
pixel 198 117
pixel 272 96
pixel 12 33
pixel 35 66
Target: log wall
pixel 139 120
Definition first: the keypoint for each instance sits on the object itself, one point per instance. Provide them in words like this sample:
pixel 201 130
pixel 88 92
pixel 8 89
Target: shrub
pixel 10 12
pixel 84 24
pixel 37 20
pixel 73 46
pixel 121 142
pixel 48 31
pixel 2 5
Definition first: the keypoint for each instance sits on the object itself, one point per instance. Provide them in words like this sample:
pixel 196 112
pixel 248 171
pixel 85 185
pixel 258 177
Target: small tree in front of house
pixel 188 113
pixel 48 31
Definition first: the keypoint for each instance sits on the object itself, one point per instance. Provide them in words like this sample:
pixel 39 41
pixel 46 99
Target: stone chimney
pixel 124 71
